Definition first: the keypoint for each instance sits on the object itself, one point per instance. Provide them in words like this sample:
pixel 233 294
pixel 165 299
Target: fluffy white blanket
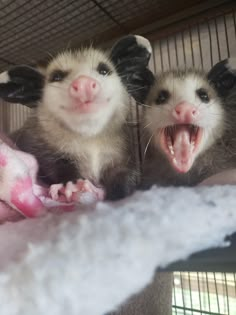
pixel 89 261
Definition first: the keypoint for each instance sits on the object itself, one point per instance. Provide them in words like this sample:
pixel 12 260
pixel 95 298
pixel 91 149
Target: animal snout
pixel 185 113
pixel 84 89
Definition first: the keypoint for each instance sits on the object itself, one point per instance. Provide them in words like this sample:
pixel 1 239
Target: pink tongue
pixel 182 149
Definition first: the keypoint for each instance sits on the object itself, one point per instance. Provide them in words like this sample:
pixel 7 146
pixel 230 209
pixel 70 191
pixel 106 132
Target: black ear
pixel 21 84
pixel 130 56
pixel 223 76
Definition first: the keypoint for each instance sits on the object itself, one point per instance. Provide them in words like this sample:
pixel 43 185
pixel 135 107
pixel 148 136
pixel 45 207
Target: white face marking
pixel 112 98
pixel 144 42
pixel 231 63
pixel 210 117
pixel 4 77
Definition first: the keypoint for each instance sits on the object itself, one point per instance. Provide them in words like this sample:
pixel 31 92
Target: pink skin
pixel 183 115
pixel 73 192
pixel 83 92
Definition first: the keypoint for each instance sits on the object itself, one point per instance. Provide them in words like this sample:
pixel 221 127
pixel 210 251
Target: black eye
pixel 162 97
pixel 203 95
pixel 57 76
pixel 103 69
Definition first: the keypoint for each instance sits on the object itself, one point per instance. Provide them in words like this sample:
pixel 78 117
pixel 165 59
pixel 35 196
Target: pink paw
pixel 75 192
pixel 62 193
pixel 85 186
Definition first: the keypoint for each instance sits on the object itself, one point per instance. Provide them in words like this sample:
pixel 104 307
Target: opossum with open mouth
pixel 79 128
pixel 190 126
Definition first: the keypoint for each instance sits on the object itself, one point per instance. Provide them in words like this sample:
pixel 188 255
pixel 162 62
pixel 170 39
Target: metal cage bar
pixel 204 293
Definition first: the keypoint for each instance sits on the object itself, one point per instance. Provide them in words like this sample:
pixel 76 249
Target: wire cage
pixel 198 41
pixel 204 293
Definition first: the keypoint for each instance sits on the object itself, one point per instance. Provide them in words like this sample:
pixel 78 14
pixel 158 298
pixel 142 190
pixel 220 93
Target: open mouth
pixel 180 143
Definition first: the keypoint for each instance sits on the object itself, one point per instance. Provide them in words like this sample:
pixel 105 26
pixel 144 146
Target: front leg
pixel 119 182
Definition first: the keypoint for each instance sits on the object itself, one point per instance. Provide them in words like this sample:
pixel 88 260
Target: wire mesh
pixel 29 29
pixel 199 46
pixel 204 293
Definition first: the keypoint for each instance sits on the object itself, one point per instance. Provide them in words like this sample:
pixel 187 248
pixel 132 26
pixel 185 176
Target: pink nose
pixel 185 113
pixel 84 89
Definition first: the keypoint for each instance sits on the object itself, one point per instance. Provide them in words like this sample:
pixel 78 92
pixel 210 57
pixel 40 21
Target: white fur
pixel 142 41
pixel 232 63
pixel 88 262
pixel 92 153
pixel 4 77
pixel 211 117
pixel 113 95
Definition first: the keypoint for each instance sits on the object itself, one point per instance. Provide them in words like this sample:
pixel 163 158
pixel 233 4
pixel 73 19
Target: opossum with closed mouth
pixel 79 128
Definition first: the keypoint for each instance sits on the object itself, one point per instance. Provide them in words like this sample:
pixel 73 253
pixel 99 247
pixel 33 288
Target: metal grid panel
pixel 204 293
pixel 198 46
pixel 16 115
pixel 122 10
pixel 31 29
pixel 12 116
pixel 49 29
pixel 3 117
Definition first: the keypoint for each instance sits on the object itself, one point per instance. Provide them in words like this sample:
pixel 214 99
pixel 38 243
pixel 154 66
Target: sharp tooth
pixel 171 150
pixel 174 160
pixel 170 146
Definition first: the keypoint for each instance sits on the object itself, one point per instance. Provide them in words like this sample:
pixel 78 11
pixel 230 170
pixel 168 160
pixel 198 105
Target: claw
pixel 54 191
pixel 80 192
pixel 85 186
